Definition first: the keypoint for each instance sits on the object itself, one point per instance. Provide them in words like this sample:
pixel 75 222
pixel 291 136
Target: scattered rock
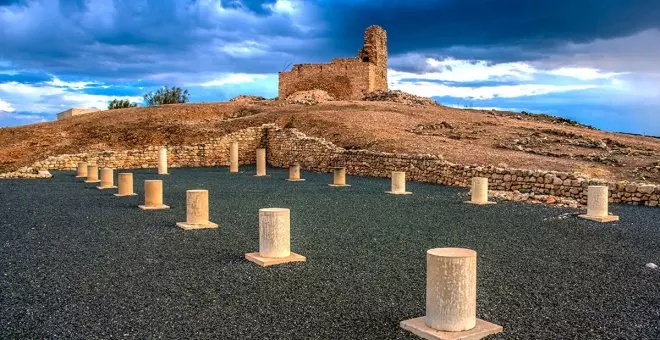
pixel 651 265
pixel 245 98
pixel 399 97
pixel 311 97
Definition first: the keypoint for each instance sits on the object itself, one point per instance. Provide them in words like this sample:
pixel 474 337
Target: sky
pixel 595 61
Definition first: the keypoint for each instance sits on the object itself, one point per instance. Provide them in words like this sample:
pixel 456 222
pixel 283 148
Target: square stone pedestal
pixel 339 185
pixel 81 176
pixel 475 203
pixel 157 207
pixel 118 195
pixel 398 193
pixel 418 327
pixel 103 188
pixel 602 219
pixel 271 261
pixel 186 226
pixel 296 180
pixel 97 181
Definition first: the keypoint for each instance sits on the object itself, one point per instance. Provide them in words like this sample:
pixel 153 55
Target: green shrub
pixel 165 95
pixel 120 104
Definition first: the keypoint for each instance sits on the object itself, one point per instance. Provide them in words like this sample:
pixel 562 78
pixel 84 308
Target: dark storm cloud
pixel 135 38
pixel 503 24
pixel 128 38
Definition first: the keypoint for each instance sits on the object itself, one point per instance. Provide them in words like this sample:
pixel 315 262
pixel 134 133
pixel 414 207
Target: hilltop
pixel 392 122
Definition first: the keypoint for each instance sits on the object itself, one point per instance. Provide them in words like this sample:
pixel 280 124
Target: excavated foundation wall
pixel 286 146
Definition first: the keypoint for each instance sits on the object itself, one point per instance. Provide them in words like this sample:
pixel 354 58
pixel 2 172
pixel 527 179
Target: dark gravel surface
pixel 77 262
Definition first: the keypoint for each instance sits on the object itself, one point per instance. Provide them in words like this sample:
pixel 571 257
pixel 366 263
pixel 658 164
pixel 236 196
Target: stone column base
pixel 271 261
pixel 96 181
pixel 475 203
pixel 118 195
pixel 418 327
pixel 295 180
pixel 398 193
pixel 602 219
pixel 101 188
pixel 339 185
pixel 157 207
pixel 186 226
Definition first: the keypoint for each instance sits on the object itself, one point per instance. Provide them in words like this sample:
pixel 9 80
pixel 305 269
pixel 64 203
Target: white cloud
pixel 233 78
pixel 450 69
pixel 29 90
pixel 76 85
pixel 282 7
pixel 429 89
pixel 527 80
pixel 583 73
pixel 6 106
pixel 243 49
pixel 52 97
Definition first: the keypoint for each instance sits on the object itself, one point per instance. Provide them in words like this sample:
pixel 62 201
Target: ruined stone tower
pixel 343 78
pixel 374 51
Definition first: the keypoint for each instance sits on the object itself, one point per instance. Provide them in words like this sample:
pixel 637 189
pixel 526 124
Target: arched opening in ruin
pixel 365 59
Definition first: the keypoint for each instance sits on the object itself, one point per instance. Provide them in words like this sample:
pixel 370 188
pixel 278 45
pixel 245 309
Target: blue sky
pixel 594 61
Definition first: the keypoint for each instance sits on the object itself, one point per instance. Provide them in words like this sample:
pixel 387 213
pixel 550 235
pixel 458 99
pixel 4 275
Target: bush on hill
pixel 120 104
pixel 165 95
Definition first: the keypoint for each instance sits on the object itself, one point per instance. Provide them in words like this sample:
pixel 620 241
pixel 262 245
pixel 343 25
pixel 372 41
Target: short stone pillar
pixel 92 174
pixel 451 298
pixel 107 179
pixel 274 239
pixel 294 173
pixel 153 195
pixel 82 170
pixel 398 184
pixel 597 204
pixel 197 211
pixel 479 191
pixel 339 177
pixel 261 162
pixel 233 157
pixel 162 161
pixel 125 185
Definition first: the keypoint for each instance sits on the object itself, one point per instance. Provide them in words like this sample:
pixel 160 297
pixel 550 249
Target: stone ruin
pixel 343 78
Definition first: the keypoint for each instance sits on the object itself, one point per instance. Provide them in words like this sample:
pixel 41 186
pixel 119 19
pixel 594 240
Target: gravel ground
pixel 77 262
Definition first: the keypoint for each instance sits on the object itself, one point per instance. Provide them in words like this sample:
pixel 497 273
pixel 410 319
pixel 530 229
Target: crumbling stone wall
pixel 343 78
pixel 287 146
pixel 214 152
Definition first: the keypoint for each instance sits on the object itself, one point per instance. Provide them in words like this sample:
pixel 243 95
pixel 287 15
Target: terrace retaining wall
pixel 286 146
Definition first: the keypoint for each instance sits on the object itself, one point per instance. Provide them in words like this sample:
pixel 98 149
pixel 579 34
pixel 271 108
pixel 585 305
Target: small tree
pixel 165 95
pixel 120 104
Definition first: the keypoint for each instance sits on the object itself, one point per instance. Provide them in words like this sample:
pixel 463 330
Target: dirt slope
pixel 461 136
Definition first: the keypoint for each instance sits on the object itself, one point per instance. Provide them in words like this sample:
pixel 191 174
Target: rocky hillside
pixel 393 122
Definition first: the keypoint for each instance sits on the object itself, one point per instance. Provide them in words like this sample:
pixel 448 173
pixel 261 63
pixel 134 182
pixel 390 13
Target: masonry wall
pixel 286 146
pixel 343 80
pixel 214 152
pixel 74 112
